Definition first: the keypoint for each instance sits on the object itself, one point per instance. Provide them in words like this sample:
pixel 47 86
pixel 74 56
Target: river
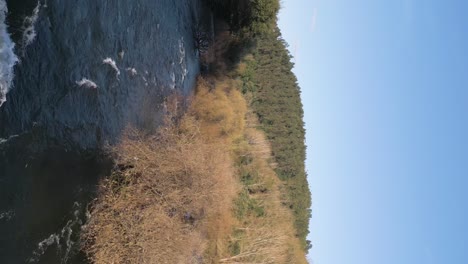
pixel 73 75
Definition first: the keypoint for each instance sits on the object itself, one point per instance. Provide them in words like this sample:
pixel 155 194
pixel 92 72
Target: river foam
pixel 112 63
pixel 8 58
pixel 8 215
pixel 29 31
pixel 62 239
pixel 84 82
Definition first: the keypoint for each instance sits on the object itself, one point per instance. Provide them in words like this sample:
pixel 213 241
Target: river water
pixel 73 75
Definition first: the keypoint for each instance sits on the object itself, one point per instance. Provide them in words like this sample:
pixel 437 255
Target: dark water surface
pixel 55 121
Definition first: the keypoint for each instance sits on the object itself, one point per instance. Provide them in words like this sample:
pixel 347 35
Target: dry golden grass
pixel 220 108
pixel 265 232
pixel 174 196
pixel 170 194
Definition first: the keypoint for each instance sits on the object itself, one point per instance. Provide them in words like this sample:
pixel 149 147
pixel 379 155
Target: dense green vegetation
pixel 247 16
pixel 276 101
pixel 275 96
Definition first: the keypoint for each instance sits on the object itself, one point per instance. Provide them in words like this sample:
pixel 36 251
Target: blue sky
pixel 385 94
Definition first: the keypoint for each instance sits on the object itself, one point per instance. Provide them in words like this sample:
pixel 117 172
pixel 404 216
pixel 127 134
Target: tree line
pixel 267 77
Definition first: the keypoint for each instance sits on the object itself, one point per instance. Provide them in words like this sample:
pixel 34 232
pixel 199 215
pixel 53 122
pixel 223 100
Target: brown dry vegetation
pixel 200 190
pixel 264 232
pixel 170 194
